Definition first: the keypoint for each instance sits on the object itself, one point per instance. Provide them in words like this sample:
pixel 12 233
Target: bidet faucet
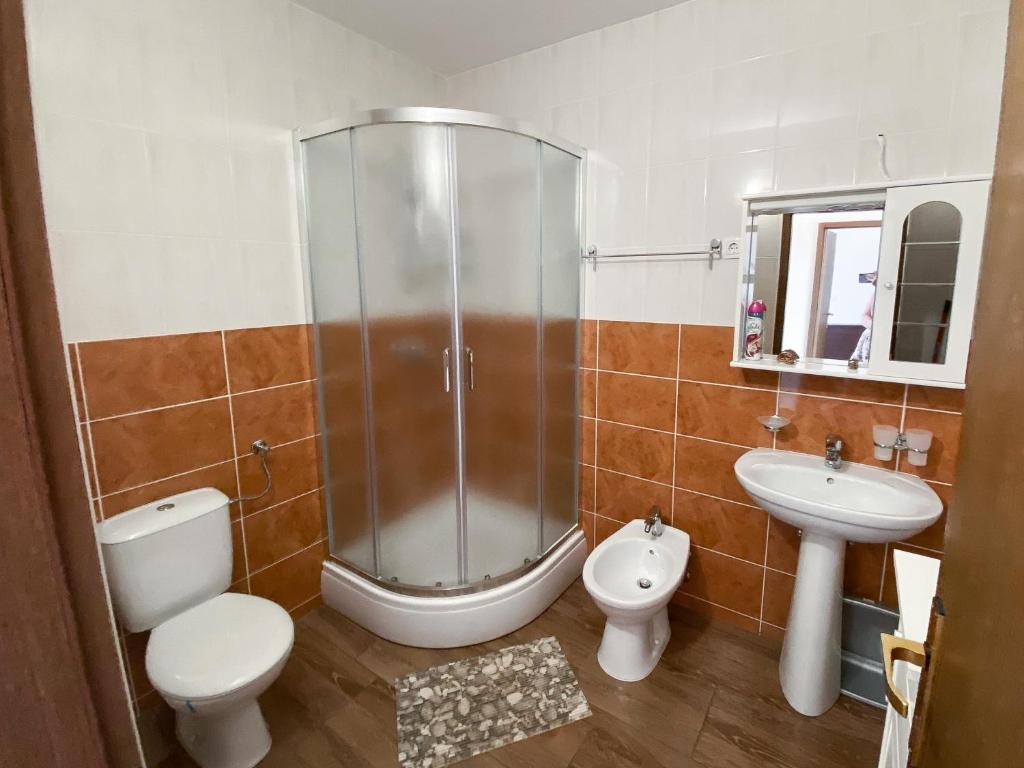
pixel 833 451
pixel 653 524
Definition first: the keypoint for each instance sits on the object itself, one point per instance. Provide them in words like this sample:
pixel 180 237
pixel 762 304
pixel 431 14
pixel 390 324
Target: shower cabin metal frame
pixel 445 117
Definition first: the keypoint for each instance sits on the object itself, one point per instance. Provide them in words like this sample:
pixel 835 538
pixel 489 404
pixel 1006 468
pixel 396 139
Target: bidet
pixel 631 576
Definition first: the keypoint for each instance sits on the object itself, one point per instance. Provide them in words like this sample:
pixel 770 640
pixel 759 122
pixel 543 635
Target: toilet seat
pixel 218 647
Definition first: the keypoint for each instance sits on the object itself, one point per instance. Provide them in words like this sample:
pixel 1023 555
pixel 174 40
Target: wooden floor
pixel 714 700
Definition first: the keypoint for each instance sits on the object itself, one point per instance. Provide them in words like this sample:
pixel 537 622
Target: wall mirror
pixel 865 283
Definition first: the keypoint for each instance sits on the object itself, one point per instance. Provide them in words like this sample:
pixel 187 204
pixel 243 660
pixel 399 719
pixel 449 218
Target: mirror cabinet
pixel 862 282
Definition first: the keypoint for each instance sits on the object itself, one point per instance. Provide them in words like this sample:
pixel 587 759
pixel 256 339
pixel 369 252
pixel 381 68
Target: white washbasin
pixel 831 507
pixel 856 502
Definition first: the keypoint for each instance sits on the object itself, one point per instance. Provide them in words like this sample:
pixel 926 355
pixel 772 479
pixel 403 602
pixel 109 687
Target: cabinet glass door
pixel 927 280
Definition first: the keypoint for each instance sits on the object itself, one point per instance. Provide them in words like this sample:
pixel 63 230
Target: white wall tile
pixel 191 180
pixel 107 283
pixel 745 105
pixel 172 121
pixel 184 75
pixel 574 67
pixel 264 193
pixel 676 204
pixel 576 121
pixel 908 81
pixel 718 293
pixel 884 14
pixel 684 40
pixel 625 55
pixel 746 29
pixel 811 166
pixel 616 205
pixel 813 22
pixel 86 59
pixel 977 93
pixel 681 112
pixel 915 155
pixel 728 179
pixel 269 288
pixel 821 92
pixel 257 57
pixel 623 135
pixel 95 175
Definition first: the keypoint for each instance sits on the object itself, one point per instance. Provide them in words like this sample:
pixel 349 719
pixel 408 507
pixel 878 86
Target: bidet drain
pixel 644 582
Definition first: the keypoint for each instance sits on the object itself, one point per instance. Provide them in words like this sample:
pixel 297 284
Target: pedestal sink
pixel 831 507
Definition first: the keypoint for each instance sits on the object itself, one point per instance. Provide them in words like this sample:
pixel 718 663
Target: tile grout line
pixel 297 552
pixel 768 529
pixel 164 479
pixel 185 403
pixel 597 362
pixel 275 505
pixel 675 423
pixel 234 450
pixel 719 605
pixel 88 432
pixel 200 469
pixel 896 468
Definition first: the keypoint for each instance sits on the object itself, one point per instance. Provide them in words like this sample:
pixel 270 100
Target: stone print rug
pixel 458 710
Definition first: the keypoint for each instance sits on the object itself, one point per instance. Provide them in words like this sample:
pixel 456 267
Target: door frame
pixel 65 699
pixel 815 336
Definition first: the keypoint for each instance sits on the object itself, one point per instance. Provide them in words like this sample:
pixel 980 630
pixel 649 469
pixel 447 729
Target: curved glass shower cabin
pixel 444 264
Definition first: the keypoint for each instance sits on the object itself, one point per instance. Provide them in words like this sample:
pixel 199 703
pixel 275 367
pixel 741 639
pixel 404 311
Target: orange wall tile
pixel 648 348
pixel 143 447
pixel 633 451
pixel 637 400
pixel 624 498
pixel 266 357
pixel 126 375
pixel 732 529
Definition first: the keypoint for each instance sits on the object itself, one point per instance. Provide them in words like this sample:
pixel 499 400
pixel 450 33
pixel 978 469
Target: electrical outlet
pixel 731 248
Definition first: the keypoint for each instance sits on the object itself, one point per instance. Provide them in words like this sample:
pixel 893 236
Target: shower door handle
pixel 446 362
pixel 469 369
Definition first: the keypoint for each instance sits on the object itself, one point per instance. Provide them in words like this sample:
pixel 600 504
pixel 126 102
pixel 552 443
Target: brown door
pixel 971 703
pixel 62 696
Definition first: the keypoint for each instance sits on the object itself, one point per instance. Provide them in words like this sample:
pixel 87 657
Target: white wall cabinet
pixel 919 327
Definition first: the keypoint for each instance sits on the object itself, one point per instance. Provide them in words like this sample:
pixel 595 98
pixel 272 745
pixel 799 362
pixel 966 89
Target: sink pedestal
pixel 812 651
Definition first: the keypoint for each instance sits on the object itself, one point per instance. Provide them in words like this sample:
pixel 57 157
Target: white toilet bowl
pixel 210 652
pixel 631 576
pixel 210 663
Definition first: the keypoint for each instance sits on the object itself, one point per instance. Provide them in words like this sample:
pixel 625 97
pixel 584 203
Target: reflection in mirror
pixel 816 271
pixel 924 295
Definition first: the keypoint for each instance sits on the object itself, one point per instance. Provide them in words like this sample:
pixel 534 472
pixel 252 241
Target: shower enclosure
pixel 444 256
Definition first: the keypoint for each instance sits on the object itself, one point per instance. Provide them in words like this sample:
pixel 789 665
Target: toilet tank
pixel 167 556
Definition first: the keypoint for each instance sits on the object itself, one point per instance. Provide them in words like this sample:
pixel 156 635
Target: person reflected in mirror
pixel 862 351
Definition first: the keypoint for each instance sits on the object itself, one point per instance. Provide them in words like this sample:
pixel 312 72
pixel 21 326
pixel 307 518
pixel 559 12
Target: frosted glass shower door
pixel 560 266
pixel 499 290
pixel 403 229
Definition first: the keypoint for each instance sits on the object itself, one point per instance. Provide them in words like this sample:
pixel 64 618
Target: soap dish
pixel 774 422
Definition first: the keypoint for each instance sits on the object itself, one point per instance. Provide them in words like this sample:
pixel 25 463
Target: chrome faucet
pixel 653 524
pixel 833 451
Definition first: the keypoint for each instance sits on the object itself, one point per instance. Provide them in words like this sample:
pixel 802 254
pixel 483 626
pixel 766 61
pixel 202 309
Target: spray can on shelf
pixel 754 330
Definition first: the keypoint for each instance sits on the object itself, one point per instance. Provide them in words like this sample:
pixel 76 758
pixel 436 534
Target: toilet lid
pixel 218 647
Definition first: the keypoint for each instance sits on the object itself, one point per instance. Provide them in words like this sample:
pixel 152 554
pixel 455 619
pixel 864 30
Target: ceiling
pixel 452 36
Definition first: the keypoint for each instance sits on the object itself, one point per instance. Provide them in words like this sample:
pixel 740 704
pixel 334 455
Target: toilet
pixel 211 653
pixel 631 576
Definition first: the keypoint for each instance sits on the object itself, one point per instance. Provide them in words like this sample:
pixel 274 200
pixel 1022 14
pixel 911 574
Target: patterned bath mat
pixel 452 712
